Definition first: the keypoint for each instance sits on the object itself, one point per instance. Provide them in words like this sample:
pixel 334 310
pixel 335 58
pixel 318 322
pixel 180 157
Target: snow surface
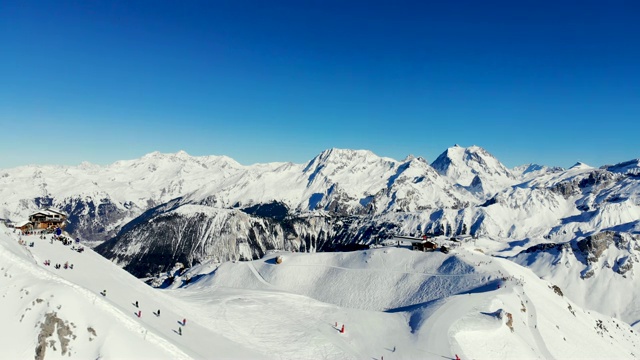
pixel 394 303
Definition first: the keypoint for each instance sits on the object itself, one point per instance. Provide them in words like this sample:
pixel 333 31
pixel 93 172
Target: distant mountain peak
pixel 626 167
pixel 342 156
pixel 580 165
pixel 462 165
pixel 341 153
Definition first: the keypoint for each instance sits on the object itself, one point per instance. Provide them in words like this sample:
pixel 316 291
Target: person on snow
pixel 136 303
pixel 180 331
pixel 184 322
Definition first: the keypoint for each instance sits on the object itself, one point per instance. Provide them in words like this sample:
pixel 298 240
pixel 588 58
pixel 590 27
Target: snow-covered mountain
pixel 473 168
pixel 165 208
pixel 597 272
pixel 391 302
pixel 99 200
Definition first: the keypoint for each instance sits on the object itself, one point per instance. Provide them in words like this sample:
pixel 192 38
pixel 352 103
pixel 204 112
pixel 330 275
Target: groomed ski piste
pixel 394 303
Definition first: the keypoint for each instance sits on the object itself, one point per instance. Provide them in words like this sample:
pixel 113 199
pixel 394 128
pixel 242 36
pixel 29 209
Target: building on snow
pixel 48 219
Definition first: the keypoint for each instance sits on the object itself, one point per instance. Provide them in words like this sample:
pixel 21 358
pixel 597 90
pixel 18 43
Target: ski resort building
pixel 48 219
pixel 420 244
pixel 24 226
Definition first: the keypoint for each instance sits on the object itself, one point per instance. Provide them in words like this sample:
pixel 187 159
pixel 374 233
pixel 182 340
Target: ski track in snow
pixel 440 344
pixel 373 270
pixel 257 274
pixel 542 347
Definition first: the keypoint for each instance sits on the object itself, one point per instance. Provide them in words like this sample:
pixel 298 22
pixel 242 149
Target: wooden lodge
pixel 47 219
pixel 23 226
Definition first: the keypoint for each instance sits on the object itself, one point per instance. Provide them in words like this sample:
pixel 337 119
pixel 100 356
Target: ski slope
pixel 394 304
pixel 75 296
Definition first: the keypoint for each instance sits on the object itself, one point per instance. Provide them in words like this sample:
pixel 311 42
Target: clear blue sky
pixel 531 81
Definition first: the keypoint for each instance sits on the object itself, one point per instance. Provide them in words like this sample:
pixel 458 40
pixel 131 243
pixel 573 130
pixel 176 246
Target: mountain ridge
pixel 340 199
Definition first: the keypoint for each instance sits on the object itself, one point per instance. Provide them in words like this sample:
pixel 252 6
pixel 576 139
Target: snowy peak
pixel 628 167
pixel 179 159
pixel 529 171
pixel 345 166
pixel 461 165
pixel 580 165
pixel 344 157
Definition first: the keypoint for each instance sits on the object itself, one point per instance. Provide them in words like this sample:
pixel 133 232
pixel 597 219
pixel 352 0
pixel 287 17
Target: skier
pixel 104 293
pixel 158 312
pixel 184 322
pixel 136 303
pixel 180 331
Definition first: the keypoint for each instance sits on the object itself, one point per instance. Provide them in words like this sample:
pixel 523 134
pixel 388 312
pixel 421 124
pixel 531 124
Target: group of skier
pixel 66 241
pixel 58 266
pixel 139 313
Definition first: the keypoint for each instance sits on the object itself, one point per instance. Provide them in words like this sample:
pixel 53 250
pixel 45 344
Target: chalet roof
pixel 21 223
pixel 49 212
pixel 53 210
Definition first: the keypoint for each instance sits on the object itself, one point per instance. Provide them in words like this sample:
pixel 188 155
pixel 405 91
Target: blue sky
pixel 530 81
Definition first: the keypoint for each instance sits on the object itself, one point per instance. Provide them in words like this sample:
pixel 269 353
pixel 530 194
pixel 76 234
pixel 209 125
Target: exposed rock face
pixel 557 290
pixel 566 189
pixel 546 247
pixel 95 221
pixel 509 320
pixel 50 325
pixel 584 183
pixel 593 246
pixel 623 265
pixel 193 234
pixel 616 251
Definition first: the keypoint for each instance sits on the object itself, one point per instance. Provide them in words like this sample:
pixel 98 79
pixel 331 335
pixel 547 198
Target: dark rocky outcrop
pixel 52 323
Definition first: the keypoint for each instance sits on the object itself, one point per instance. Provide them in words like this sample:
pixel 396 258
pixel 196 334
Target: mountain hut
pixel 48 219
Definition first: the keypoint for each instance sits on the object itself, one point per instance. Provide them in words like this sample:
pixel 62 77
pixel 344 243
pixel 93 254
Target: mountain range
pixel 148 214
